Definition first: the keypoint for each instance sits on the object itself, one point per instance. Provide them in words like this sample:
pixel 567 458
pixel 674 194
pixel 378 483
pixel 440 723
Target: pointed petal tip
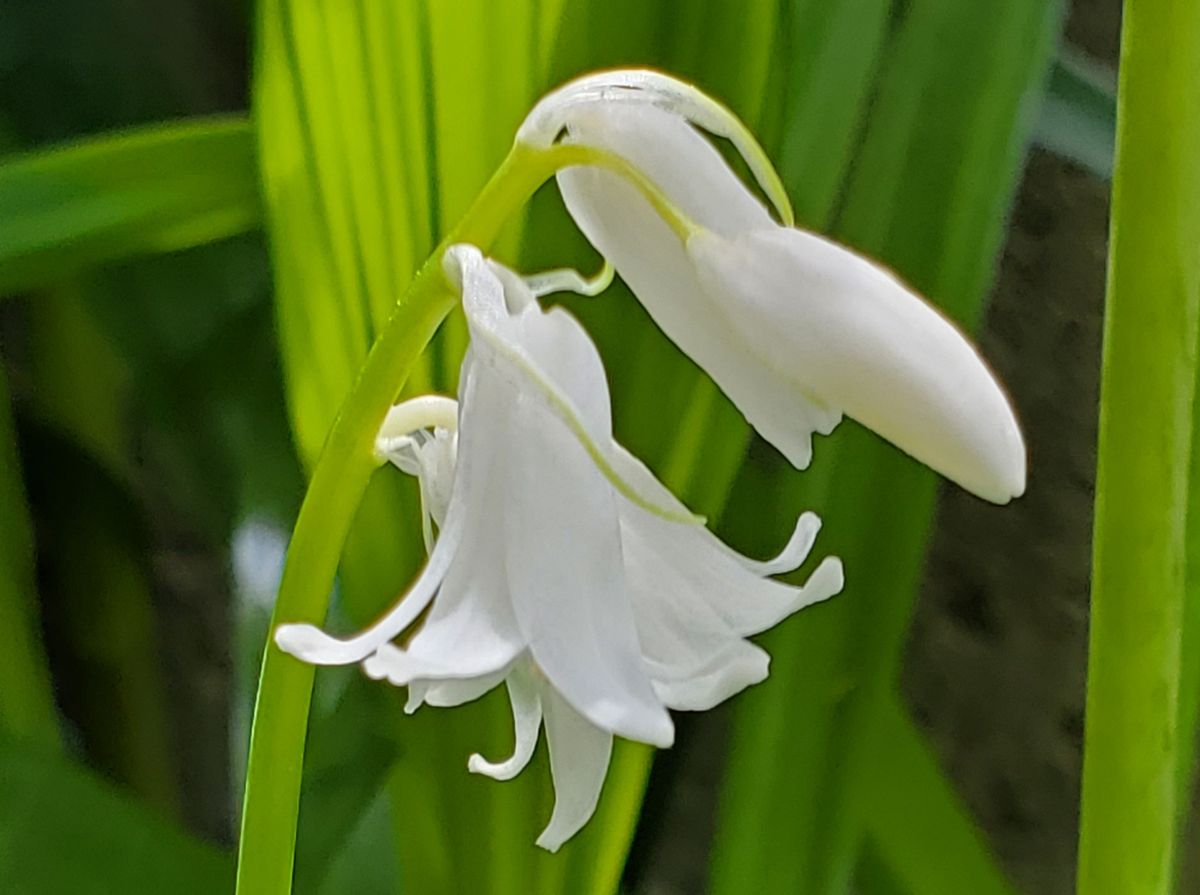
pixel 552 842
pixel 830 322
pixel 827 580
pixel 635 723
pixel 477 764
pixel 309 643
pixel 1001 476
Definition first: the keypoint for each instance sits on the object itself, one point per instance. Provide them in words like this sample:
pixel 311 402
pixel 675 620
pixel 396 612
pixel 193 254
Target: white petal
pixel 565 574
pixel 693 562
pixel 739 668
pixel 579 756
pixel 694 604
pixel 450 692
pixel 694 599
pixel 471 629
pixel 310 644
pixel 652 261
pixel 835 325
pixel 792 556
pixel 527 721
pixel 423 412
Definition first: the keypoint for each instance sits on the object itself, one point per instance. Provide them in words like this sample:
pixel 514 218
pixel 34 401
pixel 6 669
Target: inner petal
pixel 579 756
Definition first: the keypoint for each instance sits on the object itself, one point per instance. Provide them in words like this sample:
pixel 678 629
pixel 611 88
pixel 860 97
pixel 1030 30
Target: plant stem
pixel 1132 747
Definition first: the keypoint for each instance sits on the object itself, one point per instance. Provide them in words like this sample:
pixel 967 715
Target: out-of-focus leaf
pixel 63 830
pixel 148 190
pixel 367 862
pixel 1078 118
pixel 97 600
pixel 936 165
pixel 346 767
pixel 26 701
pixel 916 822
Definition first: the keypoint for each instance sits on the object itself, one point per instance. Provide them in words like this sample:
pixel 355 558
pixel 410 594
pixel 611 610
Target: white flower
pixel 561 567
pixel 794 328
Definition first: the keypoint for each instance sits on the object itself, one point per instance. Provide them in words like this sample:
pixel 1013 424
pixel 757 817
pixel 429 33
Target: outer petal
pixel 651 259
pixel 310 644
pixel 742 666
pixel 833 324
pixel 471 629
pixel 523 694
pixel 579 755
pixel 564 571
pixel 692 565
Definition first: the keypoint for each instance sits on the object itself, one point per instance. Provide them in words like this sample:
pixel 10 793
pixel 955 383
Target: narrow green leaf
pixel 916 822
pixel 63 830
pixel 938 153
pixel 27 707
pixel 1148 382
pixel 153 189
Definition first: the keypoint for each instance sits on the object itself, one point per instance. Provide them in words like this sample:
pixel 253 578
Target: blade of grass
pixel 915 821
pixel 789 818
pixel 1131 748
pixel 27 709
pixel 142 191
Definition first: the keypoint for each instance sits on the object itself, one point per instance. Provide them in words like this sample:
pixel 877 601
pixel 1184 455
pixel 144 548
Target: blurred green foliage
pixel 168 391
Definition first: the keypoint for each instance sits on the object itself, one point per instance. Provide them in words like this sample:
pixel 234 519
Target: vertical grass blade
pixel 26 701
pixel 1132 736
pixel 917 826
pixel 939 143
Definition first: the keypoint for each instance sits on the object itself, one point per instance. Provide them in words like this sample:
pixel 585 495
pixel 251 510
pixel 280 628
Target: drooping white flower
pixel 794 328
pixel 561 567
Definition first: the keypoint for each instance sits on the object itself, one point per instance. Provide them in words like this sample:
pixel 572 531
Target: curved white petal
pixel 527 721
pixel 449 692
pixel 694 604
pixel 422 412
pixel 471 629
pixel 310 644
pixel 792 556
pixel 833 324
pixel 741 666
pixel 648 255
pixel 564 566
pixel 579 755
pixel 695 563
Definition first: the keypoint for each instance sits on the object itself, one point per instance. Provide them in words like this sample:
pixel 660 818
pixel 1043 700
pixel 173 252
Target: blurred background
pixel 186 305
